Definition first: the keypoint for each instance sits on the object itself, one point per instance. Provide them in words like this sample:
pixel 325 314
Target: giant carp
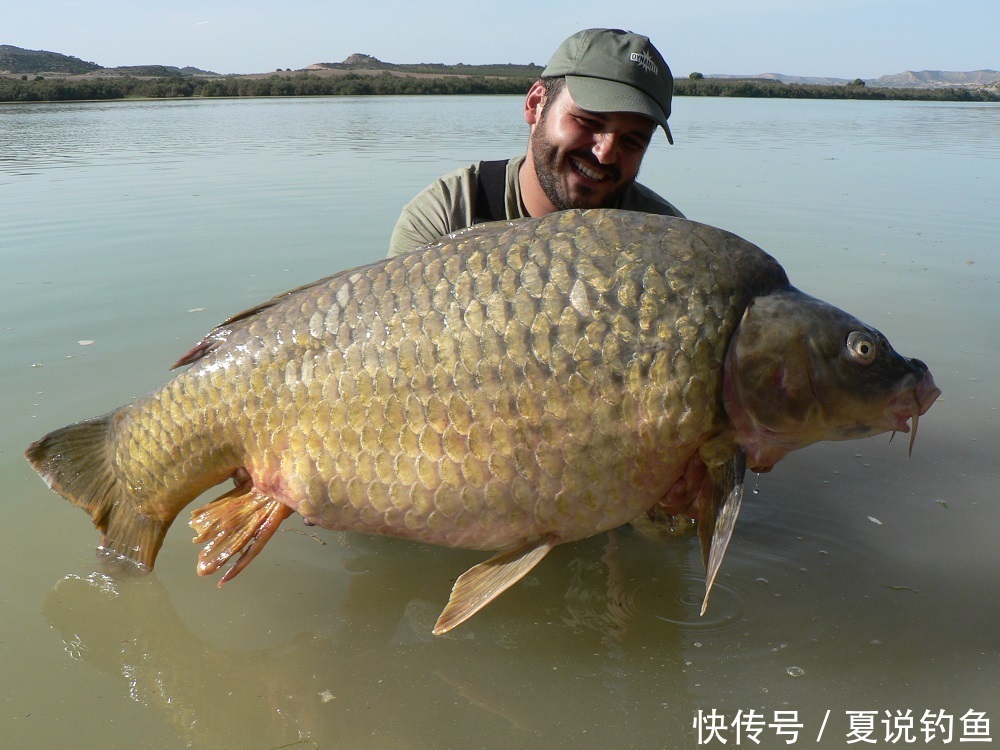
pixel 510 387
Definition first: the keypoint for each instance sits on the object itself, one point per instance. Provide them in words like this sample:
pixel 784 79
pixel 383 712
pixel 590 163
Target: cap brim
pixel 602 95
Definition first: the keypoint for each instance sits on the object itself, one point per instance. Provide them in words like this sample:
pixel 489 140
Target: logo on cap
pixel 644 61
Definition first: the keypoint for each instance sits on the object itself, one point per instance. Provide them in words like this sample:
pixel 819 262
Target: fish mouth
pixel 913 404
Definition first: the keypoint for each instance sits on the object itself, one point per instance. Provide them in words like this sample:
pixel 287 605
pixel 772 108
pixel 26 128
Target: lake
pixel 860 595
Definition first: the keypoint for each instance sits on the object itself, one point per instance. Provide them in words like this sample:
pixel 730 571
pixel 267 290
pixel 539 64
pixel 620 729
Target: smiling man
pixel 592 115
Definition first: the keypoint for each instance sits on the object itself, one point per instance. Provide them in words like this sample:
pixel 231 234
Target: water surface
pixel 857 580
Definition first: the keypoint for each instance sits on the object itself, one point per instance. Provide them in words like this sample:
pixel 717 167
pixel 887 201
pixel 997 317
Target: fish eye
pixel 862 347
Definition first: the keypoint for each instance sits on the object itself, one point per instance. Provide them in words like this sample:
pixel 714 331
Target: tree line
pixel 303 84
pixel 763 88
pixel 40 89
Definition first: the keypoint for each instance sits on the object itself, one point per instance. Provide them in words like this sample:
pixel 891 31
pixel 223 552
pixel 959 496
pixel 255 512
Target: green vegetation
pixel 516 80
pixel 302 84
pixel 151 71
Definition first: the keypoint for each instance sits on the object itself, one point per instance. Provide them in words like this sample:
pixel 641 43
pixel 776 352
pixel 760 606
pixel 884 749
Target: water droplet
pixel 795 671
pixel 761 581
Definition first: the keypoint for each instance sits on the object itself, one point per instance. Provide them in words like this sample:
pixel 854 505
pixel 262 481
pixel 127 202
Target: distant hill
pixel 924 79
pixel 158 71
pixel 811 81
pixel 359 58
pixel 17 60
pixel 937 78
pixel 359 61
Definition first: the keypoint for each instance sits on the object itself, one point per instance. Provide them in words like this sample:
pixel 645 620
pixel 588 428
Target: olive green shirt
pixel 449 204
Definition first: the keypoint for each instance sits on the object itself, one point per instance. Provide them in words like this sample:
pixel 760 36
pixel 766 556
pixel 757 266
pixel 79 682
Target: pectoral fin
pixel 483 583
pixel 719 504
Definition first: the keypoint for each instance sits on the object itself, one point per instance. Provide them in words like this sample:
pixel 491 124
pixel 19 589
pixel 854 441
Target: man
pixel 592 116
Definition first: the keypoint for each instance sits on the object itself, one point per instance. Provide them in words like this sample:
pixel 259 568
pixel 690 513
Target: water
pixel 857 580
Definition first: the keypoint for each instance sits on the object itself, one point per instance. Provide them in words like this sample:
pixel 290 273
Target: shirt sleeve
pixel 441 208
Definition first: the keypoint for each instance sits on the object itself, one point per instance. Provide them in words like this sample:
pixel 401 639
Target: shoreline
pixel 344 81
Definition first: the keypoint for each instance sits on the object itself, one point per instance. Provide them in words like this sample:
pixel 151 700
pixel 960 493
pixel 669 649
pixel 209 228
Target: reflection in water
pixel 130 628
pixel 317 685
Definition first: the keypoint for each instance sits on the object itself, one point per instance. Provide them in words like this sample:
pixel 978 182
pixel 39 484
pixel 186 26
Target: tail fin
pixel 76 462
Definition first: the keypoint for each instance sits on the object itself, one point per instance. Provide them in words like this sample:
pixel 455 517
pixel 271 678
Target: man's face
pixel 587 159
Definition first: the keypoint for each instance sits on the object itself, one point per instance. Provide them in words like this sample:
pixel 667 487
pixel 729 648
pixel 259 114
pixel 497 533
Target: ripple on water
pixel 727 604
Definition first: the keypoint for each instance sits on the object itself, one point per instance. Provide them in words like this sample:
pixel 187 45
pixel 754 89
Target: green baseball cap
pixel 610 70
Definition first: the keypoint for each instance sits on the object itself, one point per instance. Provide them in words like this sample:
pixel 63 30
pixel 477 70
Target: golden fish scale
pixel 507 383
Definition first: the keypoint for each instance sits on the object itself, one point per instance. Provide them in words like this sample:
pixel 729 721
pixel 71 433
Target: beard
pixel 551 164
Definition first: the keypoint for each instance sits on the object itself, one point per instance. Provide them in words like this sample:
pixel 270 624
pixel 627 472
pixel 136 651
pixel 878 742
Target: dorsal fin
pixel 221 333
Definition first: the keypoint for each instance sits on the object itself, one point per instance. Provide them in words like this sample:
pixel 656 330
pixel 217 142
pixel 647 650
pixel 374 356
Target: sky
pixel 827 38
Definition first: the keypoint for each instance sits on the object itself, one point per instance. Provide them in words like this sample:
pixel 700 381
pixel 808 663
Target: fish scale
pixel 510 387
pixel 530 367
